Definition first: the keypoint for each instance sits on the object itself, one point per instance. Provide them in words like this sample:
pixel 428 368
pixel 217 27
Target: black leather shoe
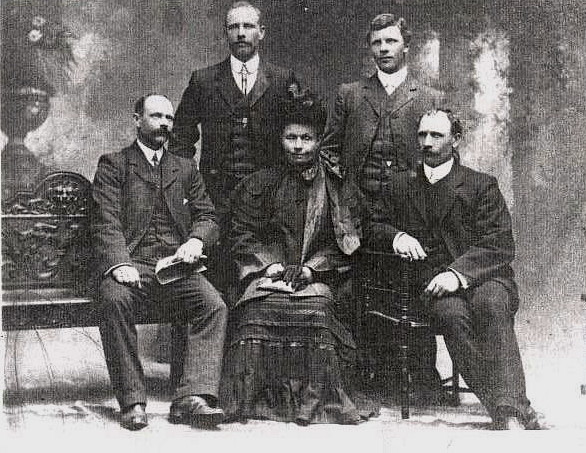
pixel 508 423
pixel 534 421
pixel 134 418
pixel 508 418
pixel 195 411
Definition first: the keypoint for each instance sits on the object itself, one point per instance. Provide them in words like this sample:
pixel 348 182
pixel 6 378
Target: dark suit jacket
pixel 475 222
pixel 212 99
pixel 125 192
pixel 356 114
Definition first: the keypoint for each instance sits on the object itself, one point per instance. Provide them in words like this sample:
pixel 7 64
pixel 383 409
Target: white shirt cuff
pixel 463 280
pixel 109 271
pixel 396 238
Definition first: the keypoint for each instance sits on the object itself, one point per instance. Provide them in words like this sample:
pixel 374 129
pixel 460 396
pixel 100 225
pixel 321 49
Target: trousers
pixel 192 300
pixel 478 328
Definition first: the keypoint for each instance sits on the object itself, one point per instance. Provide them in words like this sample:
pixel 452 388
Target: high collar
pixel 390 82
pixel 251 65
pixel 306 174
pixel 149 152
pixel 435 174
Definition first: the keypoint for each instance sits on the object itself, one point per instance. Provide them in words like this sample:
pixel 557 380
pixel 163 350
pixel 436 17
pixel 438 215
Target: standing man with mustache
pixel 151 204
pixel 370 132
pixel 238 104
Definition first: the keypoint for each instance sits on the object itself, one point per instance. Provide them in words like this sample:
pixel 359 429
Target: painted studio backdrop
pixel 513 70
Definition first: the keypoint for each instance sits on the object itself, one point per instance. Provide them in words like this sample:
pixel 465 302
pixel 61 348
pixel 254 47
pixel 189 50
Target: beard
pixel 156 138
pixel 242 50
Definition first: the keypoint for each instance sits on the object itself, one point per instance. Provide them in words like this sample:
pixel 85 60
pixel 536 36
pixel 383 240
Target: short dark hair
pixel 139 104
pixel 389 20
pixel 456 128
pixel 246 4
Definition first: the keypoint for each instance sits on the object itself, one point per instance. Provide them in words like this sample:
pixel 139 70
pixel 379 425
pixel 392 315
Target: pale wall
pixel 513 70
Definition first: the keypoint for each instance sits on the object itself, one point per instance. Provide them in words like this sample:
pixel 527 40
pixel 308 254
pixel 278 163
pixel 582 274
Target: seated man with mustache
pixel 151 204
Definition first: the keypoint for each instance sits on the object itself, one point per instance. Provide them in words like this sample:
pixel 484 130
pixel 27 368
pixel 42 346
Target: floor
pixel 57 398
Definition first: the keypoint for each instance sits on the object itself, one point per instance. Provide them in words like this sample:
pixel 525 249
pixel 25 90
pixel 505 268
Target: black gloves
pixel 293 274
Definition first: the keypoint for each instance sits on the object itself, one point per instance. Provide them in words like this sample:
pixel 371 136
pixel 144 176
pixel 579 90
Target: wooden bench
pixel 46 258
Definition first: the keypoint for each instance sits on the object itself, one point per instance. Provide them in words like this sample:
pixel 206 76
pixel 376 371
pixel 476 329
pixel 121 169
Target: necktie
pixel 244 79
pixel 155 160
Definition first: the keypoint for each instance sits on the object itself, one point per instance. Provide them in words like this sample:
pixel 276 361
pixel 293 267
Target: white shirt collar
pixel 149 152
pixel 435 174
pixel 251 65
pixel 391 81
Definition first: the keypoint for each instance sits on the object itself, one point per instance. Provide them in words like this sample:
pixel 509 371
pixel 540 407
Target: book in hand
pixel 268 284
pixel 170 269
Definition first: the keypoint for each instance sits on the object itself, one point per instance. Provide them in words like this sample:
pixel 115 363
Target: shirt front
pixel 435 174
pixel 391 82
pixel 149 153
pixel 251 70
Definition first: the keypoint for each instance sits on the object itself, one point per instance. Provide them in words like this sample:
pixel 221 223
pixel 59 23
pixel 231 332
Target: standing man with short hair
pixel 238 103
pixel 151 204
pixel 370 132
pixel 453 223
pixel 370 125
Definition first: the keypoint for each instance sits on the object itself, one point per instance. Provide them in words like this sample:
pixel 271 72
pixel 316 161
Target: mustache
pixel 166 132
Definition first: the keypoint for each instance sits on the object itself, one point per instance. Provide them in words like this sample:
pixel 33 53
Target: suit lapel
pixel 170 167
pixel 138 164
pixel 263 80
pixel 381 102
pixel 417 193
pixel 375 94
pixel 401 97
pixel 226 85
pixel 447 188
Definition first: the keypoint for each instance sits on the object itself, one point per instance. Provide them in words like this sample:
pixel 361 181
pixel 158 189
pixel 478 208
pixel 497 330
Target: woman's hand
pixel 297 276
pixel 274 271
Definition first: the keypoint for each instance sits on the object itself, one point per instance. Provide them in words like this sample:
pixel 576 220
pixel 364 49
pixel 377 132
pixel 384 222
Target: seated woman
pixel 290 358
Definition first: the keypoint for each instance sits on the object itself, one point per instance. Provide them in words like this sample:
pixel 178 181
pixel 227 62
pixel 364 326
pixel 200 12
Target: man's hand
pixel 127 275
pixel 274 271
pixel 409 247
pixel 442 284
pixel 190 252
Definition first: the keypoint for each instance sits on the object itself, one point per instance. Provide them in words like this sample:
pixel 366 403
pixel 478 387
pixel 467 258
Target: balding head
pixel 153 116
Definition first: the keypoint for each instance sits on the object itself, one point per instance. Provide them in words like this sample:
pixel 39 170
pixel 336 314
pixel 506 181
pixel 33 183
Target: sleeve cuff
pixel 398 236
pixel 463 280
pixel 116 266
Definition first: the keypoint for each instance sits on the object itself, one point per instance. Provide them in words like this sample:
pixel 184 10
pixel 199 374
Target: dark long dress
pixel 290 358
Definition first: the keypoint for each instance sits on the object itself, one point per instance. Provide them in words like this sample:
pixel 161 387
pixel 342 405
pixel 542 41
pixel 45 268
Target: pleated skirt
pixel 291 360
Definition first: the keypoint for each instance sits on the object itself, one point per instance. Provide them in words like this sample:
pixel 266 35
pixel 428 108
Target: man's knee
pixel 215 303
pixel 493 302
pixel 449 313
pixel 113 295
pixel 211 299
